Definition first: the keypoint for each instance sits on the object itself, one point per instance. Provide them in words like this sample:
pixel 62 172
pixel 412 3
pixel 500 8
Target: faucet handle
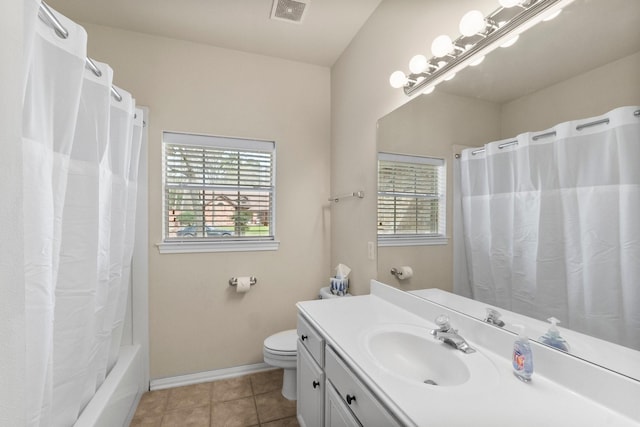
pixel 493 317
pixel 442 322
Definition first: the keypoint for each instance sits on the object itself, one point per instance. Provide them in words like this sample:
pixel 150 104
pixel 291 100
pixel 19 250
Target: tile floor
pixel 247 401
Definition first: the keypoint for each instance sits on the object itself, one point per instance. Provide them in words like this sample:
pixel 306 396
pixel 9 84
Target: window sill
pixel 412 241
pixel 199 247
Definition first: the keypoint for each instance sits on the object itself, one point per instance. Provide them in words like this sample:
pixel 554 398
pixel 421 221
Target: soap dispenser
pixel 522 356
pixel 553 338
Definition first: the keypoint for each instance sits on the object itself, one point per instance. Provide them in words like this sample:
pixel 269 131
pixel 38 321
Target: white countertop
pixel 499 400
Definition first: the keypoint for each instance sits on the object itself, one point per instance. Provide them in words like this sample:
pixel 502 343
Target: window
pixel 411 200
pixel 218 193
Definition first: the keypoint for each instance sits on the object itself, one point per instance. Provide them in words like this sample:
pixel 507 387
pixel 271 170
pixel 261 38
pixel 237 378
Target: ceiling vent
pixel 289 10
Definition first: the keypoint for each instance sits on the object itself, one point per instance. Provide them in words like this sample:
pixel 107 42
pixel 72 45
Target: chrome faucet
pixel 493 317
pixel 448 335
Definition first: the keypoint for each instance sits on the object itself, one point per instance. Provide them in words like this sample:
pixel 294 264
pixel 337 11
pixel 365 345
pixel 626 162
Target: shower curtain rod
pixel 552 133
pixel 61 31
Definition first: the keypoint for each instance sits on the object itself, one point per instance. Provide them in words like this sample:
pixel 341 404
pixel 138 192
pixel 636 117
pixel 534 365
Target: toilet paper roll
pixel 405 272
pixel 244 284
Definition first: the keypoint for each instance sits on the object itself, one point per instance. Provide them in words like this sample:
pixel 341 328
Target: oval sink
pixel 412 353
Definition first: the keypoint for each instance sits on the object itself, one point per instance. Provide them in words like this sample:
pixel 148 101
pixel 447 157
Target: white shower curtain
pixel 551 225
pixel 79 183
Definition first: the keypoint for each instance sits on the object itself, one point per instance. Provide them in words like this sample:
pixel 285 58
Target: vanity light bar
pixel 494 37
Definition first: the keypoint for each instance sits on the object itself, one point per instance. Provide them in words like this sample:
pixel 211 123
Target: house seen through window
pixel 411 199
pixel 218 189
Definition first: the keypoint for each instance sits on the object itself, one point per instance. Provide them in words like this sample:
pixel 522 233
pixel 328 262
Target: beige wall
pixel 197 322
pixel 431 126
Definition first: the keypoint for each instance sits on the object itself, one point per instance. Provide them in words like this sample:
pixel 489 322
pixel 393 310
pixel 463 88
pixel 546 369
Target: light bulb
pixel 509 3
pixel 418 64
pixel 449 77
pixel 429 90
pixel 441 45
pixel 553 15
pixel 511 41
pixel 397 79
pixel 472 23
pixel 477 61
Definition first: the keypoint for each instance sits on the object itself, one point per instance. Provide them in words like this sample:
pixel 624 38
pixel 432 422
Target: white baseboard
pixel 203 377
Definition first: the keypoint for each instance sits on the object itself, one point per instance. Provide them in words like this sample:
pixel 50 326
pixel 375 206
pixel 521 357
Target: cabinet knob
pixel 350 399
pixel 303 337
pixel 316 384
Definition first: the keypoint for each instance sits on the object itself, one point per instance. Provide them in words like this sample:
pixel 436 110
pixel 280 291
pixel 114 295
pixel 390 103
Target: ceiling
pixel 327 28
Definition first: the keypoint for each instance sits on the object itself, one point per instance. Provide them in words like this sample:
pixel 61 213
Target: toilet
pixel 280 350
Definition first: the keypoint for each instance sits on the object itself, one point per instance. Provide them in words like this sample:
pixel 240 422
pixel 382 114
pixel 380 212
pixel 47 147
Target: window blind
pixel 411 196
pixel 218 188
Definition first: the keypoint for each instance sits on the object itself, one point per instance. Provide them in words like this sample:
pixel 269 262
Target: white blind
pixel 218 188
pixel 411 196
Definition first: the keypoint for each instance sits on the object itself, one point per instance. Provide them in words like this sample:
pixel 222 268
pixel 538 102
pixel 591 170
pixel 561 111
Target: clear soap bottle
pixel 553 338
pixel 522 356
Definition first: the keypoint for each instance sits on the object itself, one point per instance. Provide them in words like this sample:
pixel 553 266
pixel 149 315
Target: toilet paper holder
pixel 234 281
pixel 402 273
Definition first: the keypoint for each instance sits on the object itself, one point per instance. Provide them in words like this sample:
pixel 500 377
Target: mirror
pixel 474 108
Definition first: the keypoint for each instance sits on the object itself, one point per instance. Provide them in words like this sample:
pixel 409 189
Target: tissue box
pixel 339 286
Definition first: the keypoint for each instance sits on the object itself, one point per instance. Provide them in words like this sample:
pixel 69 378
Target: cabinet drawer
pixel 361 402
pixel 311 340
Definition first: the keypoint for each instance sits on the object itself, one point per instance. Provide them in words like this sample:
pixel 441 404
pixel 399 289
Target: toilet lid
pixel 282 341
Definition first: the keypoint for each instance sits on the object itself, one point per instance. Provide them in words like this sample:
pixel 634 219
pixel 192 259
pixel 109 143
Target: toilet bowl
pixel 280 350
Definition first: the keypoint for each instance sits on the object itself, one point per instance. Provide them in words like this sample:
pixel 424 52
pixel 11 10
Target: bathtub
pixel 116 400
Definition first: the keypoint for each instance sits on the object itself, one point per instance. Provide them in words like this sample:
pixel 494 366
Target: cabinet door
pixel 310 405
pixel 336 412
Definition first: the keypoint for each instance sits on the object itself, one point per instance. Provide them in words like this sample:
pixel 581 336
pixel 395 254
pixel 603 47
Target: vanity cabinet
pixel 310 376
pixel 375 351
pixel 329 393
